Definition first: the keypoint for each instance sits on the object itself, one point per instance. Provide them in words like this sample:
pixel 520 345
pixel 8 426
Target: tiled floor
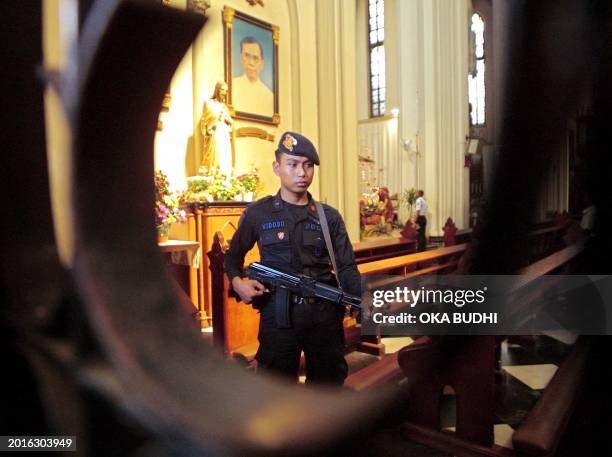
pixel 502 434
pixel 536 377
pixel 395 344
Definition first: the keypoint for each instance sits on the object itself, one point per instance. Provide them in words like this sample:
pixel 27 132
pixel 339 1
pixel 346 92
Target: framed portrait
pixel 251 67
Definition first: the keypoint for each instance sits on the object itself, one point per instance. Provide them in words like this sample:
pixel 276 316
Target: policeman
pixel 290 238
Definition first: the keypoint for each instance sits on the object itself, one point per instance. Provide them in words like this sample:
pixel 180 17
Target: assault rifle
pixel 284 284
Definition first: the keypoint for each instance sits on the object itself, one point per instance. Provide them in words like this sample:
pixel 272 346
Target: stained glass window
pixel 476 78
pixel 376 45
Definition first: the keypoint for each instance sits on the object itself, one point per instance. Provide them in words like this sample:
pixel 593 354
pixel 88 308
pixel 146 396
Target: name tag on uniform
pixel 272 225
pixel 312 226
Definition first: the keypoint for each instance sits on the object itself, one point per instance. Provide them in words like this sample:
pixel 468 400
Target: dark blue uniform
pixel 290 239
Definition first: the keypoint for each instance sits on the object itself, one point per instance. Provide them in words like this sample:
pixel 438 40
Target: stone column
pixel 434 105
pixel 336 61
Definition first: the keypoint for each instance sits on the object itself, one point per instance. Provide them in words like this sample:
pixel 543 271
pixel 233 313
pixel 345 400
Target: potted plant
pixel 409 198
pixel 208 186
pixel 221 189
pixel 248 184
pixel 211 185
pixel 167 207
pixel 197 189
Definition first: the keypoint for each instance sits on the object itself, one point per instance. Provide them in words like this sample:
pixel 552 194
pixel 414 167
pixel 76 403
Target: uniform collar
pixel 279 203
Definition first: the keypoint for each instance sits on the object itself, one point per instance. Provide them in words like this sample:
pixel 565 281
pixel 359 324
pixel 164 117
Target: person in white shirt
pixel 249 93
pixel 421 220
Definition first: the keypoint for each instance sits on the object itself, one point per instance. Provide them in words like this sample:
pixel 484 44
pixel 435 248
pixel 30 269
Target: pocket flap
pixel 312 238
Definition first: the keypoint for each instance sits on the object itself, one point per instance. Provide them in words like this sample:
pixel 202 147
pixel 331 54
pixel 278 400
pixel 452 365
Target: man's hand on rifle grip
pixel 248 289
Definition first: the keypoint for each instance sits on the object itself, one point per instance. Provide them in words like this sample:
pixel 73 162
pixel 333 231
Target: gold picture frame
pixel 251 67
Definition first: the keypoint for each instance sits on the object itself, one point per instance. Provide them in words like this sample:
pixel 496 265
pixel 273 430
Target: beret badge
pixel 289 142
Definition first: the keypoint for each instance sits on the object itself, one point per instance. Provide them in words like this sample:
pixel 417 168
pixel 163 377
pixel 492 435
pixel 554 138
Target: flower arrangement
pixel 167 205
pixel 249 184
pixel 212 185
pixel 376 213
pixel 369 202
pixel 209 186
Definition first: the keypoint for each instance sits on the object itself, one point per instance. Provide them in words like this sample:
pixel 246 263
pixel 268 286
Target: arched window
pixel 476 78
pixel 376 48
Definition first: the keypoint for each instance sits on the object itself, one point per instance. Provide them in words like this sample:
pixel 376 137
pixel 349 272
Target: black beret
pixel 297 145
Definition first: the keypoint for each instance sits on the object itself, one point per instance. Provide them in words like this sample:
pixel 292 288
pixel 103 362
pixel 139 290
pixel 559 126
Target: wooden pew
pixel 367 251
pixel 468 369
pixel 403 264
pixel 451 235
pixel 403 267
pixel 464 235
pixel 540 433
pixel 468 365
pixel 544 241
pixel 385 370
pixel 441 260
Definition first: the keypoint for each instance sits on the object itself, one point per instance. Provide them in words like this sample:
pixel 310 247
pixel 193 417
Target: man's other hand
pixel 367 306
pixel 248 289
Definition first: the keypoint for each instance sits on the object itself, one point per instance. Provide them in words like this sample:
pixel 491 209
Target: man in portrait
pixel 249 93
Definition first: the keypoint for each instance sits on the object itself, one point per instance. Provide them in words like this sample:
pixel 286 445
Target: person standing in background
pixel 421 221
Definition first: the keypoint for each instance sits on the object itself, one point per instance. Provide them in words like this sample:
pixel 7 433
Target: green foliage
pixel 409 197
pixel 197 184
pixel 212 185
pixel 248 182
